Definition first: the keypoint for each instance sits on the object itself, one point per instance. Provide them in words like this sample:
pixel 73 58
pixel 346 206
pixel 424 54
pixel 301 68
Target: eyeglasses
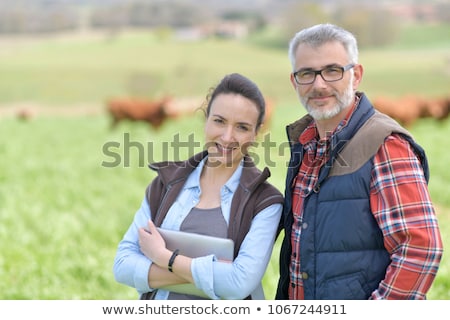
pixel 329 74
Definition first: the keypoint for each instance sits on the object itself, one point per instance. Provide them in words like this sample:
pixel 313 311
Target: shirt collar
pixel 193 180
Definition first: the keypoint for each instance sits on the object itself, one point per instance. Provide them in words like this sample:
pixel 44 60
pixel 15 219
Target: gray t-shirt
pixel 208 222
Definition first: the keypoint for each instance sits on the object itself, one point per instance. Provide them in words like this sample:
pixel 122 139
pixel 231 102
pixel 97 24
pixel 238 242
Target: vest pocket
pixel 347 287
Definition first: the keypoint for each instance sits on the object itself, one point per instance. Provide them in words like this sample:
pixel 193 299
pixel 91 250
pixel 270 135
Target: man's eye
pixel 332 70
pixel 305 74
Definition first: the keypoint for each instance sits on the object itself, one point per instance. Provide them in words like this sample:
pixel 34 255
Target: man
pixel 358 219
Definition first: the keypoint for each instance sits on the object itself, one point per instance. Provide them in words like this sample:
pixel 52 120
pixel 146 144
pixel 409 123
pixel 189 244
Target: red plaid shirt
pixel 401 205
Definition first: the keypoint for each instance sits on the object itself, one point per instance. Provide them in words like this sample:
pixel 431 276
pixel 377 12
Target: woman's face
pixel 230 129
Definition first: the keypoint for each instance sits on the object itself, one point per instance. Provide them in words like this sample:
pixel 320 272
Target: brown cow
pixel 406 110
pixel 409 108
pixel 134 109
pixel 26 113
pixel 438 108
pixel 178 107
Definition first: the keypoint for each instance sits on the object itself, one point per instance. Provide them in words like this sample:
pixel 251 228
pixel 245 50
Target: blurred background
pixel 74 150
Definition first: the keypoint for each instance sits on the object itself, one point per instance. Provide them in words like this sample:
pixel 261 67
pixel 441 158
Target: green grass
pixel 79 71
pixel 62 213
pixel 62 72
pixel 420 35
pixel 396 72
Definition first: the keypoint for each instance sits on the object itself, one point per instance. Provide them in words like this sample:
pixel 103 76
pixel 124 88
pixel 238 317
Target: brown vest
pixel 252 195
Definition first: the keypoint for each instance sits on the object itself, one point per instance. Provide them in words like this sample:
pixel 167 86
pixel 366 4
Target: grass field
pixel 62 211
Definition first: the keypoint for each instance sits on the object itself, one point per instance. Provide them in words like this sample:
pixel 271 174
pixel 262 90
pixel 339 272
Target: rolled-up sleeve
pixel 402 206
pixel 130 265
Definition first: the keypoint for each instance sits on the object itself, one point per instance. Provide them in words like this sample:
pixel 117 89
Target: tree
pixel 372 26
pixel 301 15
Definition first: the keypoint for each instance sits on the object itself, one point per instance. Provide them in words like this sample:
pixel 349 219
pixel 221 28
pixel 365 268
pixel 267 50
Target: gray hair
pixel 320 34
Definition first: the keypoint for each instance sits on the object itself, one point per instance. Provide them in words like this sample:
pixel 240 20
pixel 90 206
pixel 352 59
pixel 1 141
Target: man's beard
pixel 343 101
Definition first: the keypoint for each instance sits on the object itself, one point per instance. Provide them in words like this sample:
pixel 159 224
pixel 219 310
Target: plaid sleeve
pixel 401 205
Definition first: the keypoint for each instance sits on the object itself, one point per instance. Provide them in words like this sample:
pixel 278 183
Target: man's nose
pixel 319 81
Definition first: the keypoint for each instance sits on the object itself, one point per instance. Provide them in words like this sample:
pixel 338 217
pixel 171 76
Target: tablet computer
pixel 195 245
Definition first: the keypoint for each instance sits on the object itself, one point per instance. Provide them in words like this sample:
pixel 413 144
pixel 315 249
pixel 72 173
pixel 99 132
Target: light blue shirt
pixel 219 280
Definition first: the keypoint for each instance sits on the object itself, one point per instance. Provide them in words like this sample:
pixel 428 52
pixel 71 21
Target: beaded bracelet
pixel 172 259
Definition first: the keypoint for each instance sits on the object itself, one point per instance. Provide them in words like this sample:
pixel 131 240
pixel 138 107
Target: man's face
pixel 322 99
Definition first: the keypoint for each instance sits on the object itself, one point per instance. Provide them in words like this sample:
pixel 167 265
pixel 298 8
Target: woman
pixel 218 192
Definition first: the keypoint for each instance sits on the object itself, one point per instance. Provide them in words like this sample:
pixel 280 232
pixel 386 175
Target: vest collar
pixel 172 172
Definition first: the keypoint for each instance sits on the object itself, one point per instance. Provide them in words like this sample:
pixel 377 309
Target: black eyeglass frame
pixel 316 72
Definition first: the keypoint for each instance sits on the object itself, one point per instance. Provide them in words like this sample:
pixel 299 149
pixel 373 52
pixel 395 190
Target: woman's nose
pixel 228 133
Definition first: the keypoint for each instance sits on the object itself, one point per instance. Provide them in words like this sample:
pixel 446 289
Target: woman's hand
pixel 153 245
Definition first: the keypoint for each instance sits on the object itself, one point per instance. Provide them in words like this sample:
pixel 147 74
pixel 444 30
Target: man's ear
pixel 358 71
pixel 294 84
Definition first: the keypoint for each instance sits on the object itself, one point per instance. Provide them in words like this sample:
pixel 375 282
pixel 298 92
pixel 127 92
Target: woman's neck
pixel 212 179
pixel 214 173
